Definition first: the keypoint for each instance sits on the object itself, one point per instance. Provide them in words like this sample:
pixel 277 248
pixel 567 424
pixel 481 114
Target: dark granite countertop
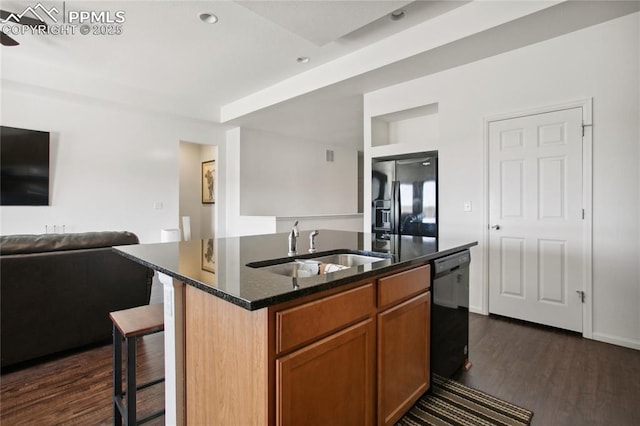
pixel 218 266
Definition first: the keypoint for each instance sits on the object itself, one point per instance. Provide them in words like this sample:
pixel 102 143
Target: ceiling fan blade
pixel 5 40
pixel 25 20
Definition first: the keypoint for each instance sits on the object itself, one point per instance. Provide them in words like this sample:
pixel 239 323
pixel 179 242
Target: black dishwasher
pixel 450 313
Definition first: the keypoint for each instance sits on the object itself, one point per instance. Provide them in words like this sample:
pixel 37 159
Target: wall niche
pixel 410 126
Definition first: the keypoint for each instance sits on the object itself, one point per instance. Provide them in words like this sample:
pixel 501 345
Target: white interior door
pixel 535 213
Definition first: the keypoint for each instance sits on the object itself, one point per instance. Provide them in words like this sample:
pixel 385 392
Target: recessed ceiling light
pixel 397 15
pixel 208 18
pixel 303 59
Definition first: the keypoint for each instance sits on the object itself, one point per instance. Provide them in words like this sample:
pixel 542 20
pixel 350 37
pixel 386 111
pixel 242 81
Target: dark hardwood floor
pixel 76 389
pixel 564 379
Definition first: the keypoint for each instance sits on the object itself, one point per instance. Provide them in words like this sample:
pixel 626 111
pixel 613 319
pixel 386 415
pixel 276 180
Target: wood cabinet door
pixel 330 382
pixel 403 357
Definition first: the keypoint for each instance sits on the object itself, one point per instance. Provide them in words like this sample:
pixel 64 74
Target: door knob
pixel 496 227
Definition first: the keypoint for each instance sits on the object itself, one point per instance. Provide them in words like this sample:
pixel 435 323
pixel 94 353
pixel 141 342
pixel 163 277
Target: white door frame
pixel 587 201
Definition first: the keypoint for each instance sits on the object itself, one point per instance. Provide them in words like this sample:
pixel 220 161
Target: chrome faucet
pixel 293 235
pixel 312 241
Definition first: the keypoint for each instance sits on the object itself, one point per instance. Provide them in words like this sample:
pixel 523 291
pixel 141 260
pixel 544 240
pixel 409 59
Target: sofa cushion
pixel 27 244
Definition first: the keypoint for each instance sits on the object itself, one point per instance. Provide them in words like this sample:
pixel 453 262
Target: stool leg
pixel 130 342
pixel 117 375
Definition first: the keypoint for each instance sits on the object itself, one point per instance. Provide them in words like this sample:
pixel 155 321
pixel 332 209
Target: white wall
pixel 343 222
pixel 283 176
pixel 230 180
pixel 110 165
pixel 600 62
pixel 202 216
pixel 190 187
pixel 270 176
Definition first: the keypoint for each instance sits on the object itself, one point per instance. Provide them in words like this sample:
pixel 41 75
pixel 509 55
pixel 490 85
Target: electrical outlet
pixel 157 205
pixel 467 206
pixel 55 229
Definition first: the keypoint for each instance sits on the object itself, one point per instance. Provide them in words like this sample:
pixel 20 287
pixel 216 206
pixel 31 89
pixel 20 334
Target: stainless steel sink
pixel 308 267
pixel 290 269
pixel 348 259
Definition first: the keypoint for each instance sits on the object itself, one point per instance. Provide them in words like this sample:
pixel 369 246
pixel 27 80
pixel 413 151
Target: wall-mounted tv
pixel 24 167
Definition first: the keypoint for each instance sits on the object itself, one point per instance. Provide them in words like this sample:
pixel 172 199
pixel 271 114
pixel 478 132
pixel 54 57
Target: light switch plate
pixel 467 206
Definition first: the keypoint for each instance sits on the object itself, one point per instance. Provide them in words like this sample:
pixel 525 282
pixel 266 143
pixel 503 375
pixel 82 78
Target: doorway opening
pixel 197 214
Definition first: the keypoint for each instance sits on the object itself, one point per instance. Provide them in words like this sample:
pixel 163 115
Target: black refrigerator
pixel 404 194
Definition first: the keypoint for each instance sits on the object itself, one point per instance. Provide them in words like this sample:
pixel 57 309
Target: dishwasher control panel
pixel 451 262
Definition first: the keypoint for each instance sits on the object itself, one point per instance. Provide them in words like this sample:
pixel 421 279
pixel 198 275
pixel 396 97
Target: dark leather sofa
pixel 56 291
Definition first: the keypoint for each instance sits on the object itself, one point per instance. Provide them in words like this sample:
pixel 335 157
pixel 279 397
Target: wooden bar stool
pixel 128 325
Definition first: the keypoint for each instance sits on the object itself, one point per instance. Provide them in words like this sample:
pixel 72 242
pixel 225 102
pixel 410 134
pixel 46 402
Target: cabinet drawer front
pixel 401 286
pixel 304 323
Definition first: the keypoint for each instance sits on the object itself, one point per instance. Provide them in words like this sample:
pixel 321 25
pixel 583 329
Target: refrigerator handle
pixel 395 207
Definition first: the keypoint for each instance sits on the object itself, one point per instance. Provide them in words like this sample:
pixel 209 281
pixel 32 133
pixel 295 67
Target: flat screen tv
pixel 24 167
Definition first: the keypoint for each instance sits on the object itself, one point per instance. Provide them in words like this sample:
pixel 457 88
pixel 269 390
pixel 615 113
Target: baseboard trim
pixel 600 337
pixel 476 310
pixel 617 340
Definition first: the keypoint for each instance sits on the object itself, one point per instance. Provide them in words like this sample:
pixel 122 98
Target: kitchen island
pixel 247 345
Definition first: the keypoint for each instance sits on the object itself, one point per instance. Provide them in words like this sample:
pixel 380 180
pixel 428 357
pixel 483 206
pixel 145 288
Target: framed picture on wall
pixel 208 182
pixel 208 260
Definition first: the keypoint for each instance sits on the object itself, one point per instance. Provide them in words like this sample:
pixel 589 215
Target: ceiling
pixel 243 70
